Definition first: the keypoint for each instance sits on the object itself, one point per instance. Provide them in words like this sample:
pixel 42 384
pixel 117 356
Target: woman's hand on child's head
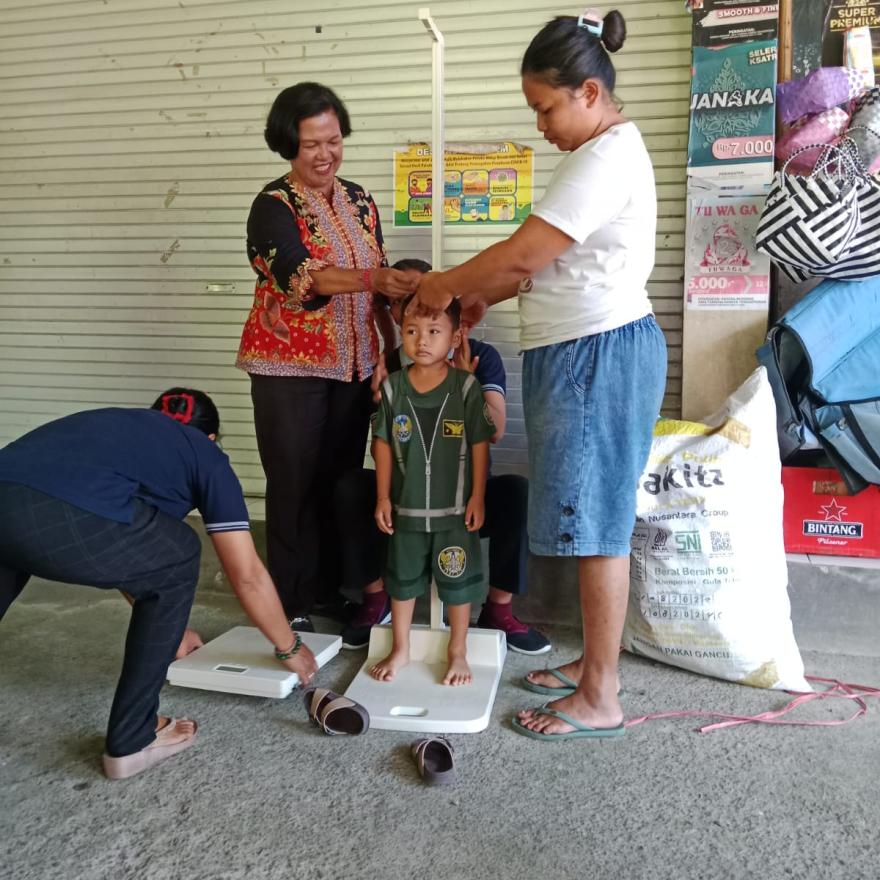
pixel 473 310
pixel 383 516
pixel 394 283
pixel 431 293
pixel 475 514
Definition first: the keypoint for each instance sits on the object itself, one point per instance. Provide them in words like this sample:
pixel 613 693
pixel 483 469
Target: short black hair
pixel 295 103
pixel 453 310
pixel 422 266
pixel 191 407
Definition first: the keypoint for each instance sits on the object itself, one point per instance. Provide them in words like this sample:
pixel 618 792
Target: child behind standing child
pixel 432 458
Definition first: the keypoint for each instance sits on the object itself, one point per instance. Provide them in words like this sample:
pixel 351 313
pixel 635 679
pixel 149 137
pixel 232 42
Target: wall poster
pixel 723 269
pixel 484 183
pixel 733 108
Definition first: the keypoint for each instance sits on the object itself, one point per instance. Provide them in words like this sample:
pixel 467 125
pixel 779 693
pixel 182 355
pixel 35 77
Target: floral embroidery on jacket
pixel 291 331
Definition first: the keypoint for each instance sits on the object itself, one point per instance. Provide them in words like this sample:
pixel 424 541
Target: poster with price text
pixel 733 109
pixel 723 270
pixel 485 184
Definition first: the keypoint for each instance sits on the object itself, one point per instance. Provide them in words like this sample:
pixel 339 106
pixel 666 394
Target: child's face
pixel 428 338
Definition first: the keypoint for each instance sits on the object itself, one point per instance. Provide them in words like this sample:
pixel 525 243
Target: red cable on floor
pixel 838 690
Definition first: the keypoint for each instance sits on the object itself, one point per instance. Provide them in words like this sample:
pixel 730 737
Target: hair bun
pixel 613 31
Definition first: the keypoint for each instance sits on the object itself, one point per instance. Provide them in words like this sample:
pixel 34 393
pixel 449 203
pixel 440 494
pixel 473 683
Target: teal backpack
pixel 823 362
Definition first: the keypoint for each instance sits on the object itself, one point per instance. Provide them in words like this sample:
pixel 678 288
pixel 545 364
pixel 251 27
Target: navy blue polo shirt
pixel 103 459
pixel 490 368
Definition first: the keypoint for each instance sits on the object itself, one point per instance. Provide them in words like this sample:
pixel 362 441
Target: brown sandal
pixel 158 750
pixel 334 714
pixel 434 758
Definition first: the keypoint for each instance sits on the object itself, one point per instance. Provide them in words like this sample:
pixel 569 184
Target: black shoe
pixel 356 634
pixel 520 637
pixel 336 608
pixel 302 624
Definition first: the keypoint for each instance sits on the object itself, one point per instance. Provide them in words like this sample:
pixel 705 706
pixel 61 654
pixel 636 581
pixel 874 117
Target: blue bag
pixel 823 361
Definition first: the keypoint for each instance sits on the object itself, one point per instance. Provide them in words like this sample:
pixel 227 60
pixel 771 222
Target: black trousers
pixel 362 547
pixel 309 431
pixel 155 560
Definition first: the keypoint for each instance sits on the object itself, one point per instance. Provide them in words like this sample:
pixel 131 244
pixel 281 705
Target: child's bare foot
pixel 458 672
pixel 386 669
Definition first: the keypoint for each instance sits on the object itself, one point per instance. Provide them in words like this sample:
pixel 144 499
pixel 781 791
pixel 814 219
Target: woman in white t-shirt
pixel 594 366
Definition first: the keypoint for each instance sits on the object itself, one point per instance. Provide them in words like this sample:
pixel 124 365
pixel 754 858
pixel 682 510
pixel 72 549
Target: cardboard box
pixel 821 517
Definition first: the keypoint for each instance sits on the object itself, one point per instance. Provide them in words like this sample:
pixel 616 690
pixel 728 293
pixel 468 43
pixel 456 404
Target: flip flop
pixel 580 731
pixel 334 714
pixel 158 750
pixel 570 686
pixel 434 758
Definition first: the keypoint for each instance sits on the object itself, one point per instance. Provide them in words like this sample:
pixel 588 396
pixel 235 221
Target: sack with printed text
pixel 708 577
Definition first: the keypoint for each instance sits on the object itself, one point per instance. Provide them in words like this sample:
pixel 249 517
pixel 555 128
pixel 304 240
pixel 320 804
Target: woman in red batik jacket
pixel 310 343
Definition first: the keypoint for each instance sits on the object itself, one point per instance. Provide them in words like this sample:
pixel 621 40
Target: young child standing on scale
pixel 432 437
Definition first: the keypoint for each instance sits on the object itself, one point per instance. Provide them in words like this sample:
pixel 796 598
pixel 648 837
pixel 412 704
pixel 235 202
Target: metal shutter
pixel 132 147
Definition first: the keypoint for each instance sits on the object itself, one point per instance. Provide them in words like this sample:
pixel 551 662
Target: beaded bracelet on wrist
pixel 292 651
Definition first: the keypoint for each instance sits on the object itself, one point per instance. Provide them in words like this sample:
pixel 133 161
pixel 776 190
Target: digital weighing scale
pixel 242 661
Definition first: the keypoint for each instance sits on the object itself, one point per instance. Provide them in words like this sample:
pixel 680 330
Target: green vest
pixel 430 437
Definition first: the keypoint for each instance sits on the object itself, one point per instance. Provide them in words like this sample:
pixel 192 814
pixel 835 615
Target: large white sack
pixel 708 579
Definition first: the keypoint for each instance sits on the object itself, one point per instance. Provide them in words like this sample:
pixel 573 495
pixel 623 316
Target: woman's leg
pixel 290 416
pixel 618 378
pixel 12 583
pixel 362 549
pixel 343 447
pixel 155 559
pixel 604 590
pixel 12 579
pixel 163 597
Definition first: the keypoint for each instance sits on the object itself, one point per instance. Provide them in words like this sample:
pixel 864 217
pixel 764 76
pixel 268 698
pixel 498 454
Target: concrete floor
pixel 263 795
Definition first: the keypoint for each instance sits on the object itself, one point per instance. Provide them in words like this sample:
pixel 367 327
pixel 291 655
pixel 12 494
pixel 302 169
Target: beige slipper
pixel 158 750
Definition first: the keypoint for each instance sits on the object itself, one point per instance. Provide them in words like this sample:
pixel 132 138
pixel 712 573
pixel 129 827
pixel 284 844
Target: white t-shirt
pixel 602 195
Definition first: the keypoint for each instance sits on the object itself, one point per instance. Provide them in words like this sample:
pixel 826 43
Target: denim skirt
pixel 590 407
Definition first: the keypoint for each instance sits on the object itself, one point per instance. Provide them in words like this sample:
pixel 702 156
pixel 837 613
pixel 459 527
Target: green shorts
pixel 453 557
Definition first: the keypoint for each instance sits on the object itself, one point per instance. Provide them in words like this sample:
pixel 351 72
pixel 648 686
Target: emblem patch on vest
pixel 452 561
pixel 402 428
pixel 453 428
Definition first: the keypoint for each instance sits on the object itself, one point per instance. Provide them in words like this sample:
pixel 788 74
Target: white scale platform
pixel 241 661
pixel 415 700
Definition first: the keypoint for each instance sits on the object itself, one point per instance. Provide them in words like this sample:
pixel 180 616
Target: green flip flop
pixel 566 691
pixel 569 686
pixel 581 730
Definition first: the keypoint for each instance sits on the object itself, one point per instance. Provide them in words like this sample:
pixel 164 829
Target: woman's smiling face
pixel 320 151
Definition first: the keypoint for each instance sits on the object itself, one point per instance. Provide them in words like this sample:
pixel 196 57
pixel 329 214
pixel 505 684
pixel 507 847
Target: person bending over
pixel 98 498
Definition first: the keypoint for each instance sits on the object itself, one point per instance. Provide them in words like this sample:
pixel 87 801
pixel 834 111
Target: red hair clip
pixel 171 406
